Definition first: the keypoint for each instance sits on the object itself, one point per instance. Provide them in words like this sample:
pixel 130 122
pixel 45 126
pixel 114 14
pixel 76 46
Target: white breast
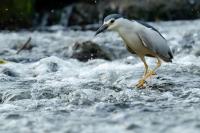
pixel 131 38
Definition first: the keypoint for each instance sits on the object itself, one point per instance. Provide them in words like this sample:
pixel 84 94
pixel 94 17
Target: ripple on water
pixel 46 91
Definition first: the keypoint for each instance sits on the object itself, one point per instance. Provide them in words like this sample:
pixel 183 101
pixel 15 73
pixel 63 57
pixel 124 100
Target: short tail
pixel 167 58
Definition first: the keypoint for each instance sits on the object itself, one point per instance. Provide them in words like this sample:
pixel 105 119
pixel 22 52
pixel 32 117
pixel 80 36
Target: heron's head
pixel 111 22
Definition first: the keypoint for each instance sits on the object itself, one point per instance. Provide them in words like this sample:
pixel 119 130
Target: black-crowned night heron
pixel 141 39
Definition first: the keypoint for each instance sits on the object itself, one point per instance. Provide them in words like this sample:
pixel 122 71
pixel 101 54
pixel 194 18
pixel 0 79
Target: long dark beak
pixel 101 29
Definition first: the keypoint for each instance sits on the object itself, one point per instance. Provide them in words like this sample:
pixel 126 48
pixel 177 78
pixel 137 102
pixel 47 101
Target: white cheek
pixel 112 27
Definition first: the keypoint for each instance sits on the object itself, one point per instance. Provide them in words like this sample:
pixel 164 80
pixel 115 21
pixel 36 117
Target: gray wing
pixel 156 43
pixel 149 26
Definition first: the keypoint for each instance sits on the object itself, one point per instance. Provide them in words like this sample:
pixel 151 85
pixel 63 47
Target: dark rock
pixel 89 50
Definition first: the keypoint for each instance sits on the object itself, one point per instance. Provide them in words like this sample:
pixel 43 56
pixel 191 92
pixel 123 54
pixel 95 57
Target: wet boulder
pixel 88 50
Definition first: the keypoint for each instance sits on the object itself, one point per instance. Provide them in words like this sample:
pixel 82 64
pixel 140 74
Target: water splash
pixel 64 95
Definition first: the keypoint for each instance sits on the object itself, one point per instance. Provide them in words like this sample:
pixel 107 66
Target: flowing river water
pixel 43 90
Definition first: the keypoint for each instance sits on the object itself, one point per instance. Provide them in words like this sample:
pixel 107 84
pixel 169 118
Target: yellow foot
pixel 152 72
pixel 2 61
pixel 141 83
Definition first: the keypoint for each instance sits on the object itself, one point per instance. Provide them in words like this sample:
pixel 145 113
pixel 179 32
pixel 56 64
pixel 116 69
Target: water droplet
pixel 52 11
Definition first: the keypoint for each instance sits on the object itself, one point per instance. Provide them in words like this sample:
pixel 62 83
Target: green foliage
pixel 16 13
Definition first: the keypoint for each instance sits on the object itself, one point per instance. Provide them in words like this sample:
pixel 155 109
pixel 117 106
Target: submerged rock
pixel 89 50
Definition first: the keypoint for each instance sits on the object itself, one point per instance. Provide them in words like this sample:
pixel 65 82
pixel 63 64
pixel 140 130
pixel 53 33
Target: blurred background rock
pixel 23 14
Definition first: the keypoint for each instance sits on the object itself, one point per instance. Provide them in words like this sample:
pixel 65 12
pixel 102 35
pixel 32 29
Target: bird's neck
pixel 128 29
pixel 126 26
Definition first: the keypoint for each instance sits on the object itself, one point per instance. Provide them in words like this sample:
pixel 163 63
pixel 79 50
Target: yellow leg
pixel 154 73
pixel 145 65
pixel 151 72
pixel 2 61
pixel 141 82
